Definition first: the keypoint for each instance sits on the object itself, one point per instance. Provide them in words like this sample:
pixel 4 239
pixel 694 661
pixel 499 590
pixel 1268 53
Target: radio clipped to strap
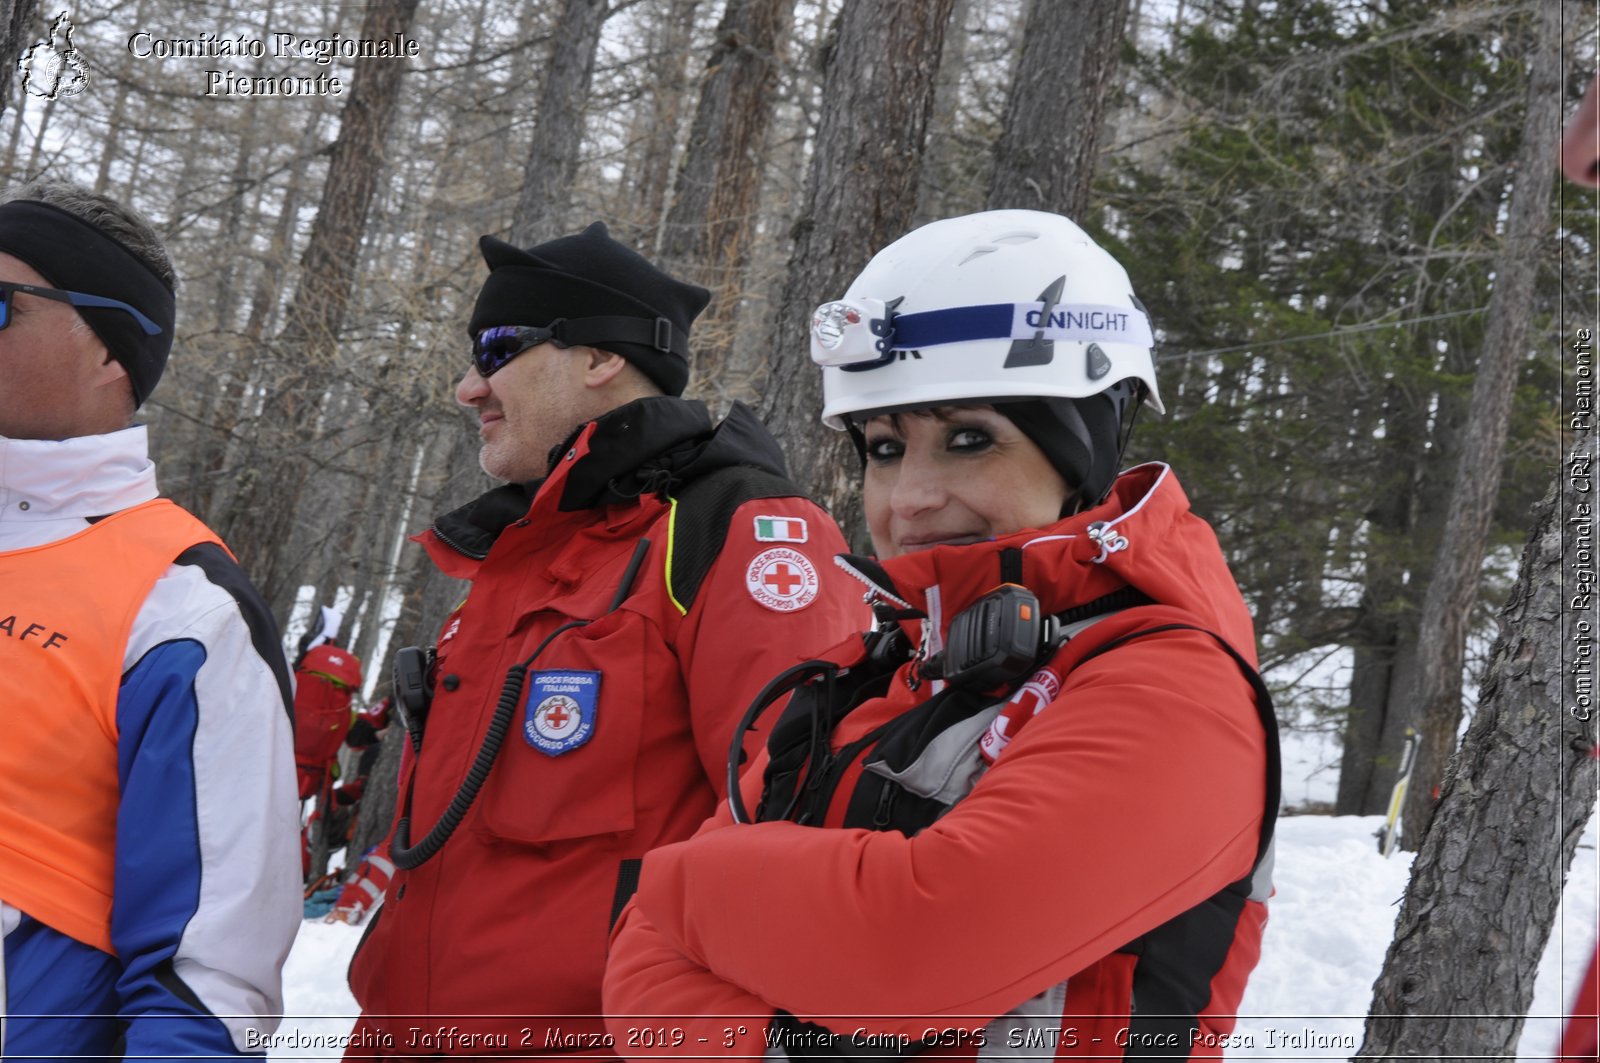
pixel 1001 638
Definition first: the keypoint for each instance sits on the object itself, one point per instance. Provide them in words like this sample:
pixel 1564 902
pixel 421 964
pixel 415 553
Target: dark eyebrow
pixel 948 414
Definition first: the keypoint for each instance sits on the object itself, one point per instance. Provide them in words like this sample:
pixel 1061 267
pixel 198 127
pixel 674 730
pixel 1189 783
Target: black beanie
pixel 604 294
pixel 1080 437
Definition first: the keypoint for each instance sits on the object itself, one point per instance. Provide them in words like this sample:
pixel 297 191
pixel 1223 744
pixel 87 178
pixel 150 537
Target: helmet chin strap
pixel 857 437
pixel 1127 433
pixel 1125 393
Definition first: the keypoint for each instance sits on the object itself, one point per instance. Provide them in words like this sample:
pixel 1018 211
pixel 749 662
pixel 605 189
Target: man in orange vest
pixel 148 884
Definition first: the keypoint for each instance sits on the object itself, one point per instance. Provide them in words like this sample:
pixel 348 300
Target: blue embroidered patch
pixel 560 710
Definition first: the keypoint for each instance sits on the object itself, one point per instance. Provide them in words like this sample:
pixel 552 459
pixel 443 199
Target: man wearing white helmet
pixel 1048 778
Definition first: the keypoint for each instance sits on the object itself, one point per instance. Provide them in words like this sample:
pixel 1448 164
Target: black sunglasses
pixel 10 288
pixel 493 347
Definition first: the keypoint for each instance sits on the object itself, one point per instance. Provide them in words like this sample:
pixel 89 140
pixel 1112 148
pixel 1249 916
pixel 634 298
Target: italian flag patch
pixel 780 529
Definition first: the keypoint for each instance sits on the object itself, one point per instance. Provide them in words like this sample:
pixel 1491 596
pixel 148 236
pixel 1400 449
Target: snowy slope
pixel 1330 925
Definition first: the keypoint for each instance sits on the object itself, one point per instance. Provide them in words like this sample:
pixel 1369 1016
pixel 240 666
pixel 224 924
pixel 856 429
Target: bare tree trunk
pixel 1050 138
pixel 650 171
pixel 1404 527
pixel 108 150
pixel 267 506
pixel 1458 978
pixel 1410 484
pixel 544 207
pixel 1441 637
pixel 16 25
pixel 243 374
pixel 13 141
pixel 388 546
pixel 328 267
pixel 939 167
pixel 709 227
pixel 31 171
pixel 860 195
pixel 376 811
pixel 1376 648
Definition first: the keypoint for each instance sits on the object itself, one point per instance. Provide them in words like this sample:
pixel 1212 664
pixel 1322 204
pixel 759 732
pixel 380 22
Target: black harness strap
pixel 627 886
pixel 1177 960
pixel 1011 565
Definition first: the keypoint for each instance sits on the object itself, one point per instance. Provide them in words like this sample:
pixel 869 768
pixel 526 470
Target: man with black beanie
pixel 149 882
pixel 635 582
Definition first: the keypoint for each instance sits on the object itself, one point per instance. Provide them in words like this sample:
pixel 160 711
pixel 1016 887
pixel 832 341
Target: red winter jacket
pixel 1580 1041
pixel 1102 868
pixel 621 735
pixel 324 682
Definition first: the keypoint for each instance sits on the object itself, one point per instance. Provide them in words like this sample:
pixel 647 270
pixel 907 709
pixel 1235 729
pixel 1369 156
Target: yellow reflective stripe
pixel 340 683
pixel 672 535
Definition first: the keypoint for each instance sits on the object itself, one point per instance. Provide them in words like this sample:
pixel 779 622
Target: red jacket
pixel 325 680
pixel 1579 1042
pixel 621 736
pixel 1109 852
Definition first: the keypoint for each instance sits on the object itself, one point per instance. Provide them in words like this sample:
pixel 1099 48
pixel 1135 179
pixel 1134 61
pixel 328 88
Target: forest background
pixel 1343 215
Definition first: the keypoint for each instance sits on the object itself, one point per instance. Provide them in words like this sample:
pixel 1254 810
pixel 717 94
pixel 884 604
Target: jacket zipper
pixel 880 816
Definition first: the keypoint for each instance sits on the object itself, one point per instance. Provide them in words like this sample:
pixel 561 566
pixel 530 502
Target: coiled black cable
pixel 408 857
pixel 786 681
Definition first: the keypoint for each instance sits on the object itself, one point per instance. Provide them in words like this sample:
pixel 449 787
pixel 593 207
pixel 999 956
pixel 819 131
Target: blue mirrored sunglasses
pixel 9 288
pixel 493 347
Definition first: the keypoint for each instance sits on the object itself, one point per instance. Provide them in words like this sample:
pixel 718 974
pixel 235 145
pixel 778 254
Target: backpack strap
pixel 701 512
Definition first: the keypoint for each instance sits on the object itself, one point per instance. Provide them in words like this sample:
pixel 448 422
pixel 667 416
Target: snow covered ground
pixel 1331 922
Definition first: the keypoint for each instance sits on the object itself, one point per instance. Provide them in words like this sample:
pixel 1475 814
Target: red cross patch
pixel 556 714
pixel 782 579
pixel 560 713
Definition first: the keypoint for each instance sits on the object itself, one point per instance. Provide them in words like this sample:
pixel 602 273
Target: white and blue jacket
pixel 207 888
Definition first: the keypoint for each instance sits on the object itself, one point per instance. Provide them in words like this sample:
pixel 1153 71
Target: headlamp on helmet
pixel 1001 305
pixel 863 332
pixel 1018 309
pixel 851 333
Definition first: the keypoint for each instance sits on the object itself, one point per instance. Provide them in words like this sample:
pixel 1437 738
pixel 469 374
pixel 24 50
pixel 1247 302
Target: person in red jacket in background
pixel 1031 813
pixel 366 734
pixel 326 678
pixel 639 574
pixel 1580 1043
pixel 364 887
pixel 1580 161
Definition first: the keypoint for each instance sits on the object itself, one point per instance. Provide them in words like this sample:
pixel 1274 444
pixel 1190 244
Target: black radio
pixel 413 690
pixel 994 641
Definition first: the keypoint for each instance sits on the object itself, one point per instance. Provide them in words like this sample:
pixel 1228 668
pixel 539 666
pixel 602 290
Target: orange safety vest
pixel 66 610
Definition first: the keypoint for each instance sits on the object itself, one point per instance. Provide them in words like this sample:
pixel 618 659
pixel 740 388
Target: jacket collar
pixel 645 447
pixel 1069 563
pixel 49 488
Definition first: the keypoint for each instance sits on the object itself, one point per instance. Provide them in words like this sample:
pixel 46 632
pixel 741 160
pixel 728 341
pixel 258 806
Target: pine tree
pixel 1316 250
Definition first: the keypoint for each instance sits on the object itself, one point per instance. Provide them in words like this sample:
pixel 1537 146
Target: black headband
pixel 74 255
